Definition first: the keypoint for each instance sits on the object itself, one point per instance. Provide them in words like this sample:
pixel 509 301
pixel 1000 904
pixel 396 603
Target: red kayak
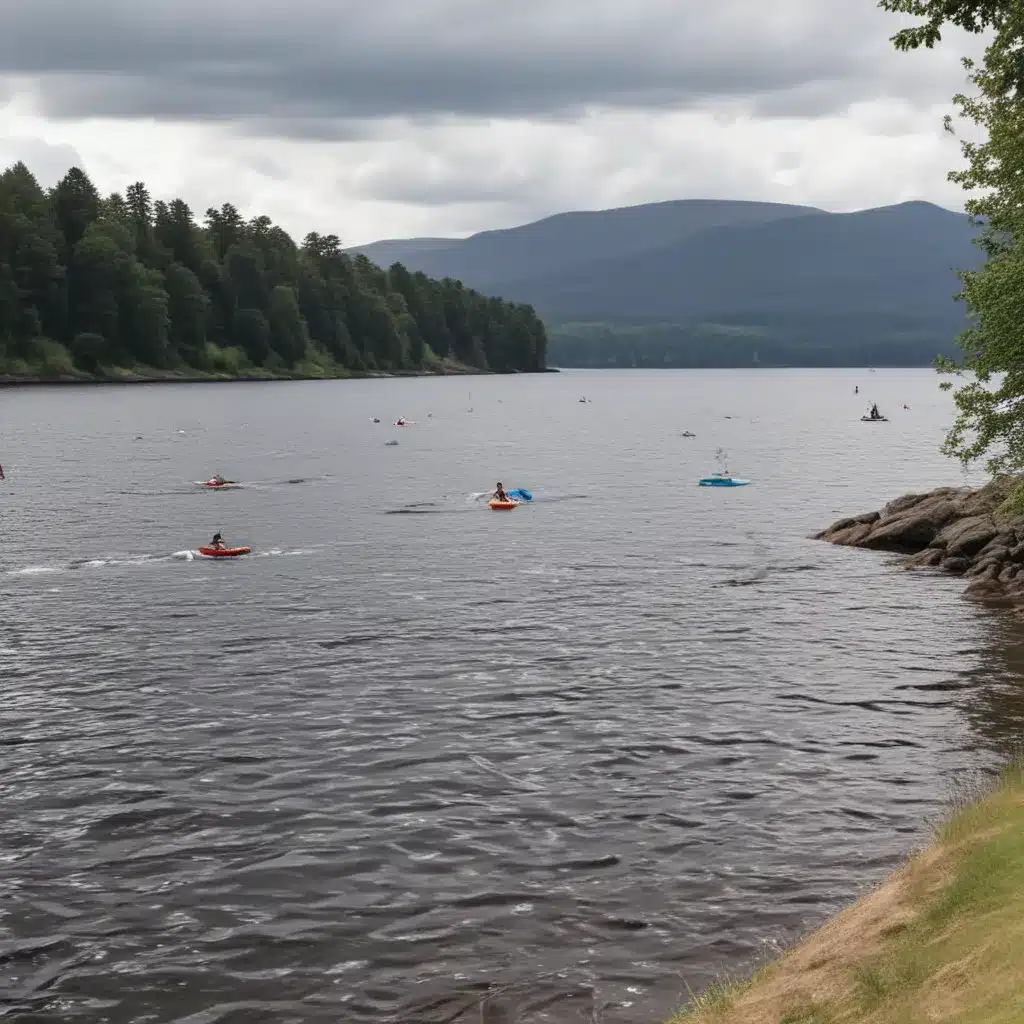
pixel 223 552
pixel 219 483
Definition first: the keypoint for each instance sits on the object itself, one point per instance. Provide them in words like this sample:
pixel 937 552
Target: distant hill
pixel 882 280
pixel 565 241
pixel 400 250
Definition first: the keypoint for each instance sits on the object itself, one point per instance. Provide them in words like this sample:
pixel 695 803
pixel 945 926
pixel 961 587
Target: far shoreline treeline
pixel 125 288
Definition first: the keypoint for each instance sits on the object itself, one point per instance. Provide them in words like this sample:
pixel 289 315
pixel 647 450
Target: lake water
pixel 415 761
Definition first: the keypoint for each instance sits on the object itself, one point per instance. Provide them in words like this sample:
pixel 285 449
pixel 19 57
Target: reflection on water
pixel 561 764
pixel 994 692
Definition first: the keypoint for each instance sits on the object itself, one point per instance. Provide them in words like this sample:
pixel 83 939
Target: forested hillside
pixel 92 285
pixel 718 283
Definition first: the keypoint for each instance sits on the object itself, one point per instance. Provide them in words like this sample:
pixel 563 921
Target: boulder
pixel 966 537
pixel 842 525
pixel 924 559
pixel 990 590
pixel 1009 572
pixel 959 530
pixel 851 536
pixel 985 500
pixel 909 532
pixel 900 505
pixel 985 566
pixel 999 546
pixel 957 566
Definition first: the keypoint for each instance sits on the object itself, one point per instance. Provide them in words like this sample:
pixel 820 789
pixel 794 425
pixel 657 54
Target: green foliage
pixel 990 402
pixel 98 286
pixel 865 340
pixel 89 351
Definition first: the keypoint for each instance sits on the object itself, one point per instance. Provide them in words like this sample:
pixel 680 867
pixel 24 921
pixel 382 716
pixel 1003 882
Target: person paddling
pixel 217 542
pixel 499 493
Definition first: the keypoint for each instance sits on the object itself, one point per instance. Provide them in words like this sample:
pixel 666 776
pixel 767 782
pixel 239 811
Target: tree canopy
pixel 990 401
pixel 89 285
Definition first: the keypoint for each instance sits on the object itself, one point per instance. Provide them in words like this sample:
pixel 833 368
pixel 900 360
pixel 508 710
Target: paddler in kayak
pixel 499 494
pixel 217 480
pixel 217 542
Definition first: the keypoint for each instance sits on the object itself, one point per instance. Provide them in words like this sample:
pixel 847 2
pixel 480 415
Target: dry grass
pixel 941 940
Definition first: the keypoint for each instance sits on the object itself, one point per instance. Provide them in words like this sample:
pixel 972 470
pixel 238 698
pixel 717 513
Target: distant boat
pixel 723 478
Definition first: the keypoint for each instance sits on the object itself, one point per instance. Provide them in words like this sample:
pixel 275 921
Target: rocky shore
pixel 977 533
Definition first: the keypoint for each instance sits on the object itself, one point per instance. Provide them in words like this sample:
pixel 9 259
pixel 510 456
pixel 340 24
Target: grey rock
pixel 852 535
pixel 842 525
pixel 985 566
pixel 904 533
pixel 966 537
pixel 1008 573
pixel 957 566
pixel 924 559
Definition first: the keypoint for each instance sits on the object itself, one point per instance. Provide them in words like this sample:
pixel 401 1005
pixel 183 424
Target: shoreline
pixel 976 533
pixel 941 938
pixel 7 381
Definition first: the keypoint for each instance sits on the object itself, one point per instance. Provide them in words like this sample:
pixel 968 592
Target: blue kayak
pixel 518 494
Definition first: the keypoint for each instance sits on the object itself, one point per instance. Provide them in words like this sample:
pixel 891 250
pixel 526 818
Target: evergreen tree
pixel 129 281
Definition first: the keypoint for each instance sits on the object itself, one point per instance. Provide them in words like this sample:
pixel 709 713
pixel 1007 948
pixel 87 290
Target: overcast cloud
pixel 398 117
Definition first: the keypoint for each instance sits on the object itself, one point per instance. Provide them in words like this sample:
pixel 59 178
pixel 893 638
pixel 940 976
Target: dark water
pixel 560 765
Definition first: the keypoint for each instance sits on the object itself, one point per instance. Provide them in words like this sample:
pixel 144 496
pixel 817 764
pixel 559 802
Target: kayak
pixel 223 552
pixel 874 419
pixel 219 483
pixel 502 506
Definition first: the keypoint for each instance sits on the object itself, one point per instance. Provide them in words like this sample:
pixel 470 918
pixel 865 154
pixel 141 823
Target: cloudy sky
pixel 389 118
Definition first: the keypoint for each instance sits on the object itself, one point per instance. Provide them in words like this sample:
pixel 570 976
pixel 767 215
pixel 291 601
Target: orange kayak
pixel 501 506
pixel 223 552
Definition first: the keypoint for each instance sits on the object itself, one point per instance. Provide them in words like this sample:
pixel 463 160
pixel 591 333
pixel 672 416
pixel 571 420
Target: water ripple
pixel 552 766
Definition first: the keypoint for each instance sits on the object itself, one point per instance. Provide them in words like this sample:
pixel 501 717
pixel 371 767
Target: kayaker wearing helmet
pixel 499 494
pixel 217 542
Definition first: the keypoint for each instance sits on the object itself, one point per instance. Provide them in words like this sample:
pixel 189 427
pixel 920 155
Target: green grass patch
pixel 943 940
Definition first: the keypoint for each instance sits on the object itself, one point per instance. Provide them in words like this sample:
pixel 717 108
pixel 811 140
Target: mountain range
pixel 719 282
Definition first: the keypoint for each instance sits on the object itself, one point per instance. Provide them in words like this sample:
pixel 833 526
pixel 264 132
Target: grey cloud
pixel 309 64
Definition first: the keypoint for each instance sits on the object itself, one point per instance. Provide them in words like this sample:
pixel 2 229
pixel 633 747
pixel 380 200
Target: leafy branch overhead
pixel 990 401
pixel 93 284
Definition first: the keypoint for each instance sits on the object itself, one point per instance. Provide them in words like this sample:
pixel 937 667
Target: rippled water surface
pixel 416 761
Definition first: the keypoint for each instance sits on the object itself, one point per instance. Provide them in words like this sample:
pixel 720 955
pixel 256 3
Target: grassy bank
pixel 940 940
pixel 152 375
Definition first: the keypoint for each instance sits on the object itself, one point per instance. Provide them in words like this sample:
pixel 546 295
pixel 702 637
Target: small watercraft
pixel 502 506
pixel 519 494
pixel 722 480
pixel 217 482
pixel 223 552
pixel 874 419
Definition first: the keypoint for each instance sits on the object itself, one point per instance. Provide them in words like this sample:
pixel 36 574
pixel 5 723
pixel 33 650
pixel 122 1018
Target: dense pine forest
pixel 101 286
